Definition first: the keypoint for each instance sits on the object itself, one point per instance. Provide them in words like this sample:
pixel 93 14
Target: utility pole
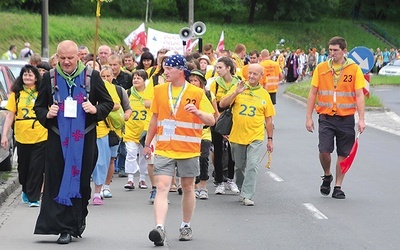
pixel 191 13
pixel 45 28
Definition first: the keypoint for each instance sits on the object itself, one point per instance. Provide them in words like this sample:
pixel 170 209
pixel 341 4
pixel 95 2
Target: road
pixel 289 212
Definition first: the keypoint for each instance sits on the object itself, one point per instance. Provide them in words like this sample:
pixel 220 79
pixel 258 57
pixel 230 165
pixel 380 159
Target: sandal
pixel 173 188
pixel 179 190
pixel 338 193
pixel 325 188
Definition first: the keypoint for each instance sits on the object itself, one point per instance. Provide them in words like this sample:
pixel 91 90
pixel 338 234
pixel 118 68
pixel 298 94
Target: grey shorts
pixel 184 167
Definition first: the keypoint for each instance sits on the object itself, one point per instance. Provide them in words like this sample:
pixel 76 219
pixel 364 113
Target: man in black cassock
pixel 69 109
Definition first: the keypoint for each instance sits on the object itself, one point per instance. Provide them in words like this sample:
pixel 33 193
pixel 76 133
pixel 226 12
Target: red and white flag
pixel 191 44
pixel 221 43
pixel 137 38
pixel 345 164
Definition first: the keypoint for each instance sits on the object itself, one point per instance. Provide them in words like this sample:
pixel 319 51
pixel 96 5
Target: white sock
pixel 96 195
pixel 106 187
pixel 160 225
pixel 187 224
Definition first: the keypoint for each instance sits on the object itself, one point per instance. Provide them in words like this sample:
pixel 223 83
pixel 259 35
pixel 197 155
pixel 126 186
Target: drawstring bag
pixel 117 118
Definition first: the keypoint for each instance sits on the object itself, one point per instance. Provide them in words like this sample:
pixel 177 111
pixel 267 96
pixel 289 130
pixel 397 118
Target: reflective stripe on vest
pixel 182 138
pixel 184 125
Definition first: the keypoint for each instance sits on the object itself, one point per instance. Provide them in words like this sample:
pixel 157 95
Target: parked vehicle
pixel 6 79
pixel 391 69
pixel 14 65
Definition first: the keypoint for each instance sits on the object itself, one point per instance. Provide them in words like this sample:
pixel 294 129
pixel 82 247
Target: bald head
pixel 67 54
pixel 104 53
pixel 256 72
pixel 67 45
pixel 264 54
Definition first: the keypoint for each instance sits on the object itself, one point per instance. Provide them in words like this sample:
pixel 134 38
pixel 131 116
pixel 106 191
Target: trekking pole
pixel 269 159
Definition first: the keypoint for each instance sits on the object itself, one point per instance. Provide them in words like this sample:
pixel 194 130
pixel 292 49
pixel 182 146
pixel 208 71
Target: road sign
pixel 363 57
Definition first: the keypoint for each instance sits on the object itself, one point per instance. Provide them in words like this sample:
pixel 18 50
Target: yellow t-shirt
pixel 221 92
pixel 139 120
pixel 206 134
pixel 102 129
pixel 249 112
pixel 205 105
pixel 27 130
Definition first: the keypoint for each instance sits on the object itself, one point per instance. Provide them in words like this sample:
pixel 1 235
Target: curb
pixel 9 186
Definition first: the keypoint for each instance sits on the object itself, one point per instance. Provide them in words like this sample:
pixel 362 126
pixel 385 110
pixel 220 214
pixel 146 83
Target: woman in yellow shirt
pixel 134 127
pixel 30 135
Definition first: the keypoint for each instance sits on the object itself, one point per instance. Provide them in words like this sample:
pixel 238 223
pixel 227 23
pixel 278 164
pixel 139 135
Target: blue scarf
pixel 72 136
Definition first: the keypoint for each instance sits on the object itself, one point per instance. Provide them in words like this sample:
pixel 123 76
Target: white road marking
pixel 274 176
pixel 315 212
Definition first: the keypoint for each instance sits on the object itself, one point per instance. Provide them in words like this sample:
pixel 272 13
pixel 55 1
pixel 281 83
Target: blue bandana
pixel 176 61
pixel 179 62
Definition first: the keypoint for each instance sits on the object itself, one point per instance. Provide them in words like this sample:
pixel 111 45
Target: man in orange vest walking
pixel 180 110
pixel 337 86
pixel 272 73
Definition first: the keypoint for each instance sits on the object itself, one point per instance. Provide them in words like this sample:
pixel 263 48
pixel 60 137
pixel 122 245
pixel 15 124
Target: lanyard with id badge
pixel 70 105
pixel 169 125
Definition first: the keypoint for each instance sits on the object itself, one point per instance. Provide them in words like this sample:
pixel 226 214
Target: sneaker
pixel 157 236
pixel 338 193
pixel 24 198
pixel 203 194
pixel 143 185
pixel 325 188
pixel 153 193
pixel 106 193
pixel 179 190
pixel 34 204
pixel 248 202
pixel 129 185
pixel 220 188
pixel 97 201
pixel 122 174
pixel 185 234
pixel 231 185
pixel 197 193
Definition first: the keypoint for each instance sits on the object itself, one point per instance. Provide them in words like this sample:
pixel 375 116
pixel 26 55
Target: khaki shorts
pixel 184 167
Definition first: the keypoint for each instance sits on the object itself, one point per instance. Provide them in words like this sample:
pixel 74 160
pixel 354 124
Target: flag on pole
pixel 346 163
pixel 137 38
pixel 191 44
pixel 221 43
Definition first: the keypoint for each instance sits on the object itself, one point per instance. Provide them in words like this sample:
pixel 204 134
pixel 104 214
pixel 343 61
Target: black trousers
pixel 218 142
pixel 31 159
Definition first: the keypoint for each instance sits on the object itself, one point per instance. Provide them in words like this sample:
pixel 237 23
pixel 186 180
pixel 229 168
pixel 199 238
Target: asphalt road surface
pixel 289 211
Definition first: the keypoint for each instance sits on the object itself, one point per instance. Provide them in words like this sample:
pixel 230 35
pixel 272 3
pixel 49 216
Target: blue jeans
pixel 121 157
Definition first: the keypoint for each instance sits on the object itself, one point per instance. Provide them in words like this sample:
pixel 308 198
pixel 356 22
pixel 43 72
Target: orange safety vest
pixel 345 94
pixel 188 127
pixel 272 72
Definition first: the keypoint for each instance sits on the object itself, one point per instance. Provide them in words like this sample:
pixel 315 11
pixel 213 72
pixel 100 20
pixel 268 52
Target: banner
pixel 157 40
pixel 137 38
pixel 221 43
